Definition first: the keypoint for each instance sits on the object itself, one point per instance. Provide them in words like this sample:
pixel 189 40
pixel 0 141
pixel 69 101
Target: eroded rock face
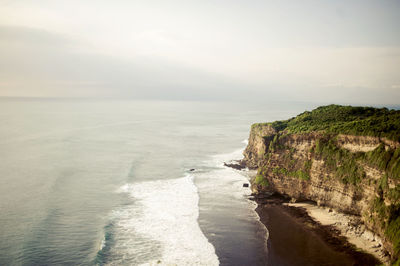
pixel 364 143
pixel 321 186
pixel 358 143
pixel 260 136
pixel 292 167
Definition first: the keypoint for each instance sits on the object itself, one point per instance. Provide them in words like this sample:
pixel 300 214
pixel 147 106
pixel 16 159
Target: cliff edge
pixel 347 158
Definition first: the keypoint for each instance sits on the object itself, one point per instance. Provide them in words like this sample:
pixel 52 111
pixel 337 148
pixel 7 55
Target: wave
pixel 222 189
pixel 160 227
pixel 226 181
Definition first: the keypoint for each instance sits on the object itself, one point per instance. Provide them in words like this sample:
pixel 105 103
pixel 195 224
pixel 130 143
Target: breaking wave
pixel 159 227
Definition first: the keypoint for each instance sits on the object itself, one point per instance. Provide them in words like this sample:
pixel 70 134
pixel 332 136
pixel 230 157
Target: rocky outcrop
pixel 336 170
pixel 364 143
pixel 260 136
pixel 358 143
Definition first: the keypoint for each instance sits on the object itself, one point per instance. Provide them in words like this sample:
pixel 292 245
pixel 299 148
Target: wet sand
pixel 296 239
pixel 349 226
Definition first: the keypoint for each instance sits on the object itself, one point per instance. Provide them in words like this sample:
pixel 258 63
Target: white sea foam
pixel 165 212
pixel 226 182
pixel 160 227
pixel 219 159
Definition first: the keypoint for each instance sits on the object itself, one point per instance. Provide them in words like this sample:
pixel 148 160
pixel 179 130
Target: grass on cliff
pixel 364 121
pixel 261 180
pixel 386 160
pixel 300 174
pixel 343 163
pixel 348 167
pixel 389 219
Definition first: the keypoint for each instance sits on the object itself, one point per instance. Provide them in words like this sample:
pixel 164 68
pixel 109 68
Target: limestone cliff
pixel 258 142
pixel 318 160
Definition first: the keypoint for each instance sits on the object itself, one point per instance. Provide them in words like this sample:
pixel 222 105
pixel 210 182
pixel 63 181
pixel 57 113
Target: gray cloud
pixel 39 61
pixel 31 36
pixel 233 50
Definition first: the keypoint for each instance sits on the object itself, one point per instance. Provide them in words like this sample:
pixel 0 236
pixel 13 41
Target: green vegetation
pixel 379 208
pixel 300 174
pixel 335 119
pixel 393 233
pixel 348 166
pixel 275 144
pixel 307 166
pixel 364 121
pixel 386 160
pixel 388 218
pixel 280 171
pixel 383 183
pixel 394 195
pixel 284 159
pixel 343 163
pixel 260 180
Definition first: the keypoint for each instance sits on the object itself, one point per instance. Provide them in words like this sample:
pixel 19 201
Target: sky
pixel 338 51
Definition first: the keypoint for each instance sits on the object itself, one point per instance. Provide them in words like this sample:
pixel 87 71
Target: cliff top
pixel 364 121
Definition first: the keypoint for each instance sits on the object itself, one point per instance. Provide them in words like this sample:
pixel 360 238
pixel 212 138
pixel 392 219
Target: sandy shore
pixel 342 233
pixel 305 234
pixel 349 226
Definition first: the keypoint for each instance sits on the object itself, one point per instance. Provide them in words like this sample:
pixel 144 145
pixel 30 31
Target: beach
pixel 349 226
pixel 305 234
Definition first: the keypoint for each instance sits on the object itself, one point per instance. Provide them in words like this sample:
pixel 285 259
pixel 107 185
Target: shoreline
pixel 344 234
pixel 336 234
pixel 349 227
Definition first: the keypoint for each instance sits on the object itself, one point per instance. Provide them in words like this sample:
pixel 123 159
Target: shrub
pixel 298 173
pixel 260 180
pixel 393 233
pixel 307 165
pixel 365 121
pixel 386 160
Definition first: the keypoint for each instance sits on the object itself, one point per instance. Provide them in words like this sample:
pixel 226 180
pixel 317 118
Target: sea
pixel 128 182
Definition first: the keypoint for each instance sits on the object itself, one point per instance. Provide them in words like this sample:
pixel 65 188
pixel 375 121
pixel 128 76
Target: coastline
pixel 349 227
pixel 344 157
pixel 305 234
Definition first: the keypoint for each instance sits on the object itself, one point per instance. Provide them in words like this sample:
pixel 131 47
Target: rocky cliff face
pixel 353 174
pixel 258 142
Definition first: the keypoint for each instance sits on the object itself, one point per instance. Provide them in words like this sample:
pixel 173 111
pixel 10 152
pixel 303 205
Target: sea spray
pixel 164 217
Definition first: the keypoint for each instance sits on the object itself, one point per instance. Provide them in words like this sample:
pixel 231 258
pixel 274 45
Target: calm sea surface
pixel 108 182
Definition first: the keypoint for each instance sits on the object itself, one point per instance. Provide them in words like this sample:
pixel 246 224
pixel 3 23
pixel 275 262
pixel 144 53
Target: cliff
pixel 347 158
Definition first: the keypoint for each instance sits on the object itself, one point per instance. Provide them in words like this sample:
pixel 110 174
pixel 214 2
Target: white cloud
pixel 289 49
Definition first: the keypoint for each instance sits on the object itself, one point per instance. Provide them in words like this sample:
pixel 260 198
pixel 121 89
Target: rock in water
pixel 238 165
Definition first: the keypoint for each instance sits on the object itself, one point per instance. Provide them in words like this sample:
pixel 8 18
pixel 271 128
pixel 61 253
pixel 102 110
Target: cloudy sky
pixel 330 51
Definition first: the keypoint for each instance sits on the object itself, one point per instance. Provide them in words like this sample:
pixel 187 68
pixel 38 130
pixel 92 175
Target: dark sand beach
pixel 296 239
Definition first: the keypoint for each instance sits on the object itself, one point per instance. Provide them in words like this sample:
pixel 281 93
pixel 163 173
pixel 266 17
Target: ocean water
pixel 96 182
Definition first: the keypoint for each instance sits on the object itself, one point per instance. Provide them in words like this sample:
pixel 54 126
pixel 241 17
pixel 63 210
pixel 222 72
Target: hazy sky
pixel 331 51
